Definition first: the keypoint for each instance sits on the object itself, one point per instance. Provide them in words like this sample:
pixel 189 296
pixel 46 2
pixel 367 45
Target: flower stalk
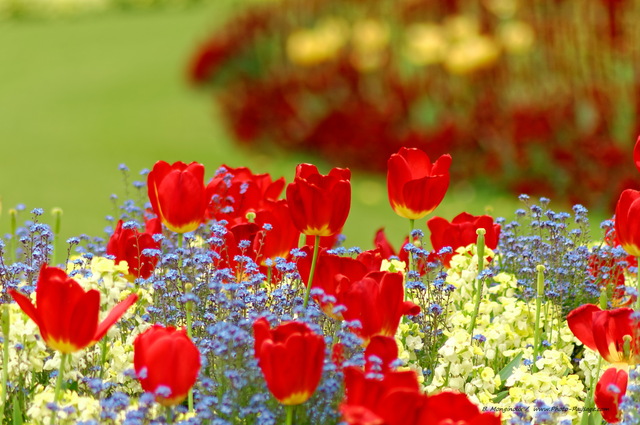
pixel 6 325
pixel 478 290
pixel 314 260
pixel 537 331
pixel 58 391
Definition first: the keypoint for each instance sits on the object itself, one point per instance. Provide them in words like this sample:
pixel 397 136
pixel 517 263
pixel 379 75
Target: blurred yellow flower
pixel 516 37
pixel 425 44
pixel 369 38
pixel 472 54
pixel 308 47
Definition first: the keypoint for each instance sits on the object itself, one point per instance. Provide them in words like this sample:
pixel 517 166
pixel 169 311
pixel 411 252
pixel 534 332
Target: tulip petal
pixel 580 321
pixel 30 310
pixel 608 401
pixel 115 314
pixel 84 320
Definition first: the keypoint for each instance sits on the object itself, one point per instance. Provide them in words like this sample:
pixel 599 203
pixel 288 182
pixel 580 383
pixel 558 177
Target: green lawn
pixel 79 97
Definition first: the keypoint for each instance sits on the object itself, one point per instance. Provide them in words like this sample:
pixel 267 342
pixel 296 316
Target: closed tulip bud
pixel 178 195
pixel 415 185
pixel 167 363
pixel 291 357
pixel 319 204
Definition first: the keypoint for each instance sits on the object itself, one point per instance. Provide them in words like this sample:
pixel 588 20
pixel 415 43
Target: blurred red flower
pixel 415 185
pixel 319 204
pixel 178 195
pixel 165 359
pixel 66 315
pixel 291 357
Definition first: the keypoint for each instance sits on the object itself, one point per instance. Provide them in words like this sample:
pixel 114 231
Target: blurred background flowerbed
pixel 537 99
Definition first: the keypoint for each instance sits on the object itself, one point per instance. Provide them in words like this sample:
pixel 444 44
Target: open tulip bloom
pixel 614 335
pixel 66 314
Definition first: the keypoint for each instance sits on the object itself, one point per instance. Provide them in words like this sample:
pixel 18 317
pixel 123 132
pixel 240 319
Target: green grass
pixel 79 97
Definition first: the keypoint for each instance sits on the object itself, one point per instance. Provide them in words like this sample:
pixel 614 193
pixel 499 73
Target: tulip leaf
pixel 500 396
pixel 17 412
pixel 508 369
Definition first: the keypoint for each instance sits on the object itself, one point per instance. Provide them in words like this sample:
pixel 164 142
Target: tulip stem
pixel 104 348
pixel 314 260
pixel 57 393
pixel 289 410
pixel 5 358
pixel 539 295
pixel 478 290
pixel 412 224
pixel 169 414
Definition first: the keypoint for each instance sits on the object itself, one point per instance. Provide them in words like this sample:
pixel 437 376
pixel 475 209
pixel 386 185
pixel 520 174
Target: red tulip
pixel 416 187
pixel 66 315
pixel 237 191
pixel 627 223
pixel 128 244
pixel 612 333
pixel 387 398
pixel 178 195
pixel 283 236
pixel 166 359
pixel 461 232
pixel 319 204
pixel 377 301
pixel 386 249
pixel 450 407
pixel 608 401
pixel 291 357
pixel 333 275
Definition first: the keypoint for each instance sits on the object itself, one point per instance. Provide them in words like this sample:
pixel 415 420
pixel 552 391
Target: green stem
pixel 412 224
pixel 104 348
pixel 169 414
pixel 314 260
pixel 539 296
pixel 11 250
pixel 5 359
pixel 57 215
pixel 478 290
pixel 58 391
pixel 588 404
pixel 187 313
pixel 289 410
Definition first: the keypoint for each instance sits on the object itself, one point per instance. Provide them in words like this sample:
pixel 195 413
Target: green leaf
pixel 508 369
pixel 500 396
pixel 17 412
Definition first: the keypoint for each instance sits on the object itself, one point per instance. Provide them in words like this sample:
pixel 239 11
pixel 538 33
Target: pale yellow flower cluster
pixel 506 324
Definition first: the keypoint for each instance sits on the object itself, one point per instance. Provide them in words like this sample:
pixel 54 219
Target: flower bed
pixel 214 312
pixel 534 98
